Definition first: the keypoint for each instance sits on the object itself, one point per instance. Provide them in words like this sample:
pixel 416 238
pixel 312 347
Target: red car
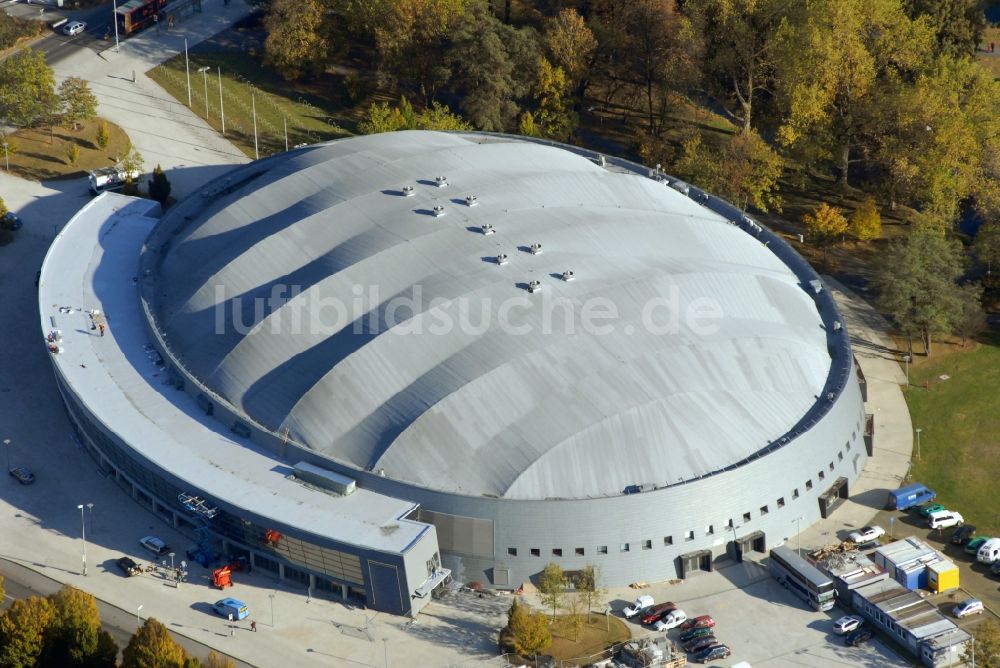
pixel 703 622
pixel 654 613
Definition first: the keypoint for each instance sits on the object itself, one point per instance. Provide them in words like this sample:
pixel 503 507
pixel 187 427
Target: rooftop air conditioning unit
pixel 536 249
pixel 502 259
pixel 534 286
pixel 438 211
pixel 836 325
pixel 568 275
pixel 471 200
pixel 601 162
pixel 408 191
pixel 487 229
pixel 441 181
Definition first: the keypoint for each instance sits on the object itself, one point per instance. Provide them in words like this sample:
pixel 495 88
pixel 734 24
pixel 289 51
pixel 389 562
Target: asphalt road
pixel 21 582
pixel 57 46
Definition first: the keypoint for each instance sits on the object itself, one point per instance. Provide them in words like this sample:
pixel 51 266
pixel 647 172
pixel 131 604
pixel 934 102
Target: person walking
pixel 253 626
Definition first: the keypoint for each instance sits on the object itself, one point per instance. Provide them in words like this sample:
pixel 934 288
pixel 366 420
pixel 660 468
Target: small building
pixel 912 622
pixel 907 561
pixel 850 570
pixel 942 576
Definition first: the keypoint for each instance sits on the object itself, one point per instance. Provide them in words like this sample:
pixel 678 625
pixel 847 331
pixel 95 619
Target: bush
pixel 13 29
pixel 72 153
pixel 103 135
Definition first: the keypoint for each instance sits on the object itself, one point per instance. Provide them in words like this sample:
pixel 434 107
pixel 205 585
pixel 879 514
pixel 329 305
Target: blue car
pixel 227 607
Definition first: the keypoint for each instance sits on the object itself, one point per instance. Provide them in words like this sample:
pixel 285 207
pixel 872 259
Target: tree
pixel 159 186
pixel 825 226
pixel 575 605
pixel 917 284
pixel 22 632
pixel 971 319
pixel 3 212
pixel 103 135
pixel 866 222
pixel 526 125
pixel 552 586
pixel 571 44
pixel 985 645
pixel 72 152
pixel 76 624
pixel 555 115
pixel 152 647
pixel 383 118
pixel 131 164
pixel 958 24
pixel 530 631
pixel 27 88
pixel 987 245
pixel 590 591
pixel 106 654
pixel 439 117
pixel 218 661
pixel 296 44
pixel 76 101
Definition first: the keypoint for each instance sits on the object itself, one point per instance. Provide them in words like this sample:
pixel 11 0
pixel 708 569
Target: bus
pixel 802 578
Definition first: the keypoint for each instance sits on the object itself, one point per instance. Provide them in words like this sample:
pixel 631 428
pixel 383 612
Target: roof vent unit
pixel 534 286
pixel 438 211
pixel 471 200
pixel 408 191
pixel 837 326
pixel 441 181
pixel 816 286
pixel 601 162
pixel 487 229
pixel 324 478
pixel 681 187
pixel 568 275
pixel 502 259
pixel 536 249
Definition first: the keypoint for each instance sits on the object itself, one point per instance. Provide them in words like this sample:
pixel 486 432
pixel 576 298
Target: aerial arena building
pixel 378 363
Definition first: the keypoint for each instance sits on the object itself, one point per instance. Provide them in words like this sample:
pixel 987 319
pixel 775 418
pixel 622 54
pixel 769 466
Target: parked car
pixel 963 534
pixel 929 509
pixel 700 622
pixel 694 634
pixel 128 566
pixel 231 606
pixel 867 534
pixel 23 475
pixel 847 624
pixel 638 606
pixel 10 221
pixel 972 547
pixel 945 519
pixel 74 28
pixel 670 621
pixel 858 637
pixel 712 653
pixel 698 644
pixel 989 552
pixel 154 544
pixel 653 614
pixel 970 606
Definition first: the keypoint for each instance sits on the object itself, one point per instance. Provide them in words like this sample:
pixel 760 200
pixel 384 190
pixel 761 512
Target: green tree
pixel 131 164
pixel 825 225
pixel 159 186
pixel 76 624
pixel 76 101
pixel 958 24
pixel 27 89
pixel 296 44
pixel 985 646
pixel 917 284
pixel 866 222
pixel 556 119
pixel 72 152
pixel 987 245
pixel 106 654
pixel 526 125
pixel 552 586
pixel 589 589
pixel 530 631
pixel 971 319
pixel 103 135
pixel 439 117
pixel 381 118
pixel 571 44
pixel 218 661
pixel 152 647
pixel 23 630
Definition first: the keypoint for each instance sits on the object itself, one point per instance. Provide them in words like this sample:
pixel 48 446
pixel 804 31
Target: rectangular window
pixel 668 540
pixel 822 476
pixel 579 551
pixel 689 535
pixel 795 493
pixel 763 510
pixel 730 524
pixel 647 545
pixel 831 466
pixel 781 502
pixel 602 549
pixel 840 456
pixel 709 530
pixel 809 484
pixel 511 551
pixel 535 552
pixel 623 547
pixel 746 517
pixel 556 552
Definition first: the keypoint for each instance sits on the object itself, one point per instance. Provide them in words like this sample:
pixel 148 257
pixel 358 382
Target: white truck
pixel 111 178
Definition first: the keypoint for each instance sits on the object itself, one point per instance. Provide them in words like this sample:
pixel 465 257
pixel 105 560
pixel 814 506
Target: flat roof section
pixel 93 265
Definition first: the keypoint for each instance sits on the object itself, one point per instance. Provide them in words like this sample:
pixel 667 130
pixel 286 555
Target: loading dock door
pixel 692 562
pixel 833 497
pixel 385 591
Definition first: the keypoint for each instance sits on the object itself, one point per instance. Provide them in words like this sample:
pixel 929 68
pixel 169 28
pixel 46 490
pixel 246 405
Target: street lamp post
pixel 222 108
pixel 6 157
pixel 90 513
pixel 906 359
pixel 204 72
pixel 6 447
pixel 271 596
pixel 187 71
pixel 83 533
pixel 114 21
pixel 138 622
pixel 798 535
pixel 918 430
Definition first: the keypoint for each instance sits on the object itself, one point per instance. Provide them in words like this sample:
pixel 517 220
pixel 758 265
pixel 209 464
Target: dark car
pixel 694 634
pixel 972 547
pixel 23 475
pixel 858 637
pixel 712 653
pixel 129 567
pixel 963 534
pixel 653 614
pixel 698 644
pixel 10 221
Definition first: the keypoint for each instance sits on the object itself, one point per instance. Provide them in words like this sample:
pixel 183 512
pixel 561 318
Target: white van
pixel 944 519
pixel 989 551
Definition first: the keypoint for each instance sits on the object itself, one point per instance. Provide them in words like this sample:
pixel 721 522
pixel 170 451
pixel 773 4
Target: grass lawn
pixel 960 418
pixel 593 639
pixel 41 152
